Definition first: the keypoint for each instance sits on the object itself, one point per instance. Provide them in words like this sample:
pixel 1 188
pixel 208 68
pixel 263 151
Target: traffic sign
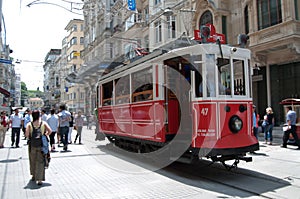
pixel 5 61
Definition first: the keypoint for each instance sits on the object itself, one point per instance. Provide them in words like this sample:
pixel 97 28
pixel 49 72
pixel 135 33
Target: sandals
pixel 39 183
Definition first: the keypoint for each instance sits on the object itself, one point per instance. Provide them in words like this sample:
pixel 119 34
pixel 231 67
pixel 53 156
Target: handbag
pixel 286 128
pixel 46 151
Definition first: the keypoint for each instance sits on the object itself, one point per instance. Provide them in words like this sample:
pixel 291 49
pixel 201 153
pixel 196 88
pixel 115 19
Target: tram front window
pixel 239 77
pixel 224 75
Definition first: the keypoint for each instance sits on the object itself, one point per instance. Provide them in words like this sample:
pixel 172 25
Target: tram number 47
pixel 204 111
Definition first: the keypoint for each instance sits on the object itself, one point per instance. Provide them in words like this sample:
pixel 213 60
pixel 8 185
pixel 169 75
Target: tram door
pixel 177 80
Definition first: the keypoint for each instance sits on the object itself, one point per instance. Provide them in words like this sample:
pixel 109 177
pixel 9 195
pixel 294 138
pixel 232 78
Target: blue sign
pixel 131 5
pixel 5 61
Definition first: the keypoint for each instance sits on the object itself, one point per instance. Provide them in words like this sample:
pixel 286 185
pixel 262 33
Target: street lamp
pixel 36 2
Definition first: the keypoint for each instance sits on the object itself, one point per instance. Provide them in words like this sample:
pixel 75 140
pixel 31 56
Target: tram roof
pixel 208 48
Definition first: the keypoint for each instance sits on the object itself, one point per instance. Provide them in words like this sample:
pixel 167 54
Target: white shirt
pixel 16 120
pixel 44 117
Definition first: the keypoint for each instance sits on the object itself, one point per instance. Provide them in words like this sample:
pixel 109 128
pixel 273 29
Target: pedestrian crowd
pixel 267 124
pixel 39 128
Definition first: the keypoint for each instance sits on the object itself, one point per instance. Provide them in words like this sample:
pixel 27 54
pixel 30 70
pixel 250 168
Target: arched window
pixel 206 18
pixel 269 13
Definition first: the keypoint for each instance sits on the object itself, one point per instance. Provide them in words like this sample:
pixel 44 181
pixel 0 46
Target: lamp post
pixel 73 5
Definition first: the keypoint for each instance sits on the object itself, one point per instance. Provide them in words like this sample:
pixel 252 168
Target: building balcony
pixel 276 44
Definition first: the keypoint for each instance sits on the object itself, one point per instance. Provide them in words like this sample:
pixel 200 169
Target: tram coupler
pixel 236 159
pixel 246 159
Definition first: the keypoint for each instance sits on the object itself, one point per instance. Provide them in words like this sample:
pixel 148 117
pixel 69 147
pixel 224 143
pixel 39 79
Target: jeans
pixel 15 136
pixel 255 132
pixel 52 138
pixel 64 131
pixel 269 129
pixel 287 133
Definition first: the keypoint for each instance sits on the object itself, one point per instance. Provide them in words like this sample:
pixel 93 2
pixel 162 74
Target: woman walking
pixel 269 117
pixel 78 124
pixel 34 132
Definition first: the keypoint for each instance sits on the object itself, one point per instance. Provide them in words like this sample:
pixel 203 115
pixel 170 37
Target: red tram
pixel 194 100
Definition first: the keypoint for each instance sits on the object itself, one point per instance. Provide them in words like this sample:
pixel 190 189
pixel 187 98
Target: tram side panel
pixel 143 120
pixel 148 121
pixel 106 120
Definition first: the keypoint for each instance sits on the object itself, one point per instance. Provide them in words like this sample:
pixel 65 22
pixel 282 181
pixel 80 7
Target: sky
pixel 32 31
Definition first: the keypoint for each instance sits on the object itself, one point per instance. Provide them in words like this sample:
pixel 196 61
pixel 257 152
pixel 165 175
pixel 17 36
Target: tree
pixel 24 93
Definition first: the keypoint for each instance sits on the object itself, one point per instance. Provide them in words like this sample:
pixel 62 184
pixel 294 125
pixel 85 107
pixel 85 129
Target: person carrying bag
pixel 35 131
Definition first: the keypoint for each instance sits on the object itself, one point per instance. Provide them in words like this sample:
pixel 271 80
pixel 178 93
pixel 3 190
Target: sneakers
pixel 65 148
pixel 283 146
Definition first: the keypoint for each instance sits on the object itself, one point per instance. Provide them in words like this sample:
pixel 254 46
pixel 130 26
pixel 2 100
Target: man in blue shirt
pixel 27 119
pixel 64 119
pixel 291 122
pixel 52 120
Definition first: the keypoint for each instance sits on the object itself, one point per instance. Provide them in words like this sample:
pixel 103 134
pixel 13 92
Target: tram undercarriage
pixel 191 155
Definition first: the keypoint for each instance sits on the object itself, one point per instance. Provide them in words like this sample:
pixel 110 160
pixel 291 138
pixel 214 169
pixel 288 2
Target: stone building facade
pixel 273 27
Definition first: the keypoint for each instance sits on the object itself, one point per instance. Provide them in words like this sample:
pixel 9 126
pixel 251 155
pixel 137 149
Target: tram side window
pixel 198 80
pixel 239 77
pixel 107 93
pixel 142 85
pixel 224 75
pixel 122 90
pixel 210 75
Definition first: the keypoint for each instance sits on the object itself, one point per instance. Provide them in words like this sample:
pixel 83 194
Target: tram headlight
pixel 235 124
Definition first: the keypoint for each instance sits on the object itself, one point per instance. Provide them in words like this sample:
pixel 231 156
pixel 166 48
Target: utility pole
pixel 0 15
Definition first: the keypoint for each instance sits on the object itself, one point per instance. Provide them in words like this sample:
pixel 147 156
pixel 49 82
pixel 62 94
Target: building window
pixel 81 40
pixel 73 55
pixel 157 2
pixel 130 22
pixel 297 9
pixel 206 18
pixel 73 41
pixel 246 19
pixel 158 32
pixel 224 26
pixel 269 13
pixel 146 15
pixel 74 28
pixel 171 27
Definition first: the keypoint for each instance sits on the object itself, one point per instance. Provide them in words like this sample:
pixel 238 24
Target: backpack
pixel 36 136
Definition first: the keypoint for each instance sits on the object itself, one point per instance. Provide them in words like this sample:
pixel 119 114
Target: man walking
pixel 27 119
pixel 64 119
pixel 52 121
pixel 291 122
pixel 16 121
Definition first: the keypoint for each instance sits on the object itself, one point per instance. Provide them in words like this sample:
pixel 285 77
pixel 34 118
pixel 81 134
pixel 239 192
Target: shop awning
pixel 4 92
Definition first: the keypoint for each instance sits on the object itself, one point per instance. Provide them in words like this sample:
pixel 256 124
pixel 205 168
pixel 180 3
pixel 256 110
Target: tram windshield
pixel 223 76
